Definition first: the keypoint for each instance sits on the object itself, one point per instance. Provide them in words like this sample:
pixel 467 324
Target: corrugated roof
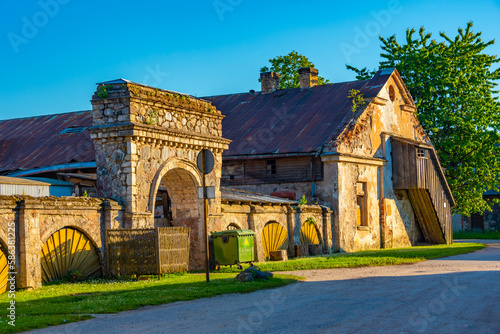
pixel 27 143
pixel 33 181
pixel 231 195
pixel 289 120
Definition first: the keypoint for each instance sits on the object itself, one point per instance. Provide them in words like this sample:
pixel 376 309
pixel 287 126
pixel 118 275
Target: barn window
pixel 233 170
pixel 361 213
pixel 271 167
pixel 421 153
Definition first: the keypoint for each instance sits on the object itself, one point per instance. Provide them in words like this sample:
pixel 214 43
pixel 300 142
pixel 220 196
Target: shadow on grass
pixel 40 308
pixel 422 303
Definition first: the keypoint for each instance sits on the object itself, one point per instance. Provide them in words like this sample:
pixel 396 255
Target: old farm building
pixel 370 175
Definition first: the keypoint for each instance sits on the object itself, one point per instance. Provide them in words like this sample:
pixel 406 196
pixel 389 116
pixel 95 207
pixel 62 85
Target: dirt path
pixel 458 294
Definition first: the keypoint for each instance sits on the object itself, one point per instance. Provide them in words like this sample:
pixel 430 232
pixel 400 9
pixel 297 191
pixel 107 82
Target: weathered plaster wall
pixel 353 237
pixel 402 229
pixel 365 141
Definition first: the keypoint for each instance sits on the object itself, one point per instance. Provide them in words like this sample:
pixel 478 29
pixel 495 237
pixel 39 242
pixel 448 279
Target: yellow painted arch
pixel 66 250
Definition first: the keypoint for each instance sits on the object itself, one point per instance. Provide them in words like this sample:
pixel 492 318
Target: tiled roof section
pixel 32 142
pixel 291 120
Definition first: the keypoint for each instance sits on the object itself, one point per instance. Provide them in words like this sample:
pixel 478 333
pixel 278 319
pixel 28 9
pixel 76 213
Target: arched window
pixel 232 226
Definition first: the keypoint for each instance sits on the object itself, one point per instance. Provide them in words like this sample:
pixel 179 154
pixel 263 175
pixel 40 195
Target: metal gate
pixel 66 250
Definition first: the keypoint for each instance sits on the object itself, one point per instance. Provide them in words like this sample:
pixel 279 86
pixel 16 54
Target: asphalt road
pixel 459 294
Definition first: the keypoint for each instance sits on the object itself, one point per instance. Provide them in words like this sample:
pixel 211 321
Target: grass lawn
pixel 67 302
pixel 476 235
pixel 382 257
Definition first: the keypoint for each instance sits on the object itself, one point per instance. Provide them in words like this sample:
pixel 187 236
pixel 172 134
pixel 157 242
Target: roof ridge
pixel 39 116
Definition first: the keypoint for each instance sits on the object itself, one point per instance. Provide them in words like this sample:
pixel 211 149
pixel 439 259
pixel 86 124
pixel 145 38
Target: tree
pixel 453 85
pixel 288 67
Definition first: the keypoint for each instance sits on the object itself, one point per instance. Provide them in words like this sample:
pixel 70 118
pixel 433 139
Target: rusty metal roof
pixel 235 195
pixel 289 121
pixel 33 142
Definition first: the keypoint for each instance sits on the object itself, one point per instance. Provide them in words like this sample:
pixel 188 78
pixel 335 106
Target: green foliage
pixel 453 84
pixel 75 276
pixel 68 302
pixel 85 193
pixel 302 201
pixel 476 235
pixel 356 99
pixel 152 118
pixel 102 92
pixel 362 74
pixel 311 220
pixel 288 67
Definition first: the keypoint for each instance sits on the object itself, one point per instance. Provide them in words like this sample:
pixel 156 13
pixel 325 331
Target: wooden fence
pixel 155 251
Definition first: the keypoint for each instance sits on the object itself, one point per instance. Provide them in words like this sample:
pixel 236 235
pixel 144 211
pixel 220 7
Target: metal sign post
pixel 205 163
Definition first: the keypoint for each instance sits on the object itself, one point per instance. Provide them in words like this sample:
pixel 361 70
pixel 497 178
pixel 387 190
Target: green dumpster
pixel 233 247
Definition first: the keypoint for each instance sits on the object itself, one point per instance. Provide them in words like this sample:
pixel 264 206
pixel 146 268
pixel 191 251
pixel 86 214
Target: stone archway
pixel 182 179
pixel 145 137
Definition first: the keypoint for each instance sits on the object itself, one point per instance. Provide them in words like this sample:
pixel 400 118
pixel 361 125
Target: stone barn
pixel 369 173
pixel 373 164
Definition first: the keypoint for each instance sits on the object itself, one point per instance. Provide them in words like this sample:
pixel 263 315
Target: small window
pixel 392 93
pixel 421 153
pixel 271 167
pixel 361 214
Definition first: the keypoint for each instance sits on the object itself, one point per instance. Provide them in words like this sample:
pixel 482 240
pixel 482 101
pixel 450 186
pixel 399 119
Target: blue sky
pixel 54 51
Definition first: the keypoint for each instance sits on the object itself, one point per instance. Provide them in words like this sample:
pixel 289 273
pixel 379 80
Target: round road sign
pixel 209 161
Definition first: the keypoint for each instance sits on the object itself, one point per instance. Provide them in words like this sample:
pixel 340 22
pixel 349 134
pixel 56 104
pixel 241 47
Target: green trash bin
pixel 233 247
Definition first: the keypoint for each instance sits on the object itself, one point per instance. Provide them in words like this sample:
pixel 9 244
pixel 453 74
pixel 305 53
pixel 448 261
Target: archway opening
pixel 274 237
pixel 69 251
pixel 309 234
pixel 4 268
pixel 185 209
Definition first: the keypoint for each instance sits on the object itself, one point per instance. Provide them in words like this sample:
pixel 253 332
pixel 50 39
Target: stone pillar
pixel 290 218
pixel 327 229
pixel 252 221
pixel 28 245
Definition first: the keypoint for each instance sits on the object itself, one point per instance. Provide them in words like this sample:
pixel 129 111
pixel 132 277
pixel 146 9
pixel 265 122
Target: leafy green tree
pixel 288 67
pixel 453 84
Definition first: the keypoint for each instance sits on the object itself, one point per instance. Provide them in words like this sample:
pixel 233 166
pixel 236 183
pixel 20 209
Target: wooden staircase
pixel 416 169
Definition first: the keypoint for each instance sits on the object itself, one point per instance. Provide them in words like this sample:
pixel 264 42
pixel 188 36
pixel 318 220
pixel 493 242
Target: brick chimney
pixel 308 77
pixel 269 82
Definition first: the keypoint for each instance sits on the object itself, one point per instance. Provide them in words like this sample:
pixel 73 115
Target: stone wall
pixel 36 219
pixel 255 217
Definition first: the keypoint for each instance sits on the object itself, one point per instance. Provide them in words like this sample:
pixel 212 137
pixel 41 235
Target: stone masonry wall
pixel 146 138
pixel 255 217
pixel 36 219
